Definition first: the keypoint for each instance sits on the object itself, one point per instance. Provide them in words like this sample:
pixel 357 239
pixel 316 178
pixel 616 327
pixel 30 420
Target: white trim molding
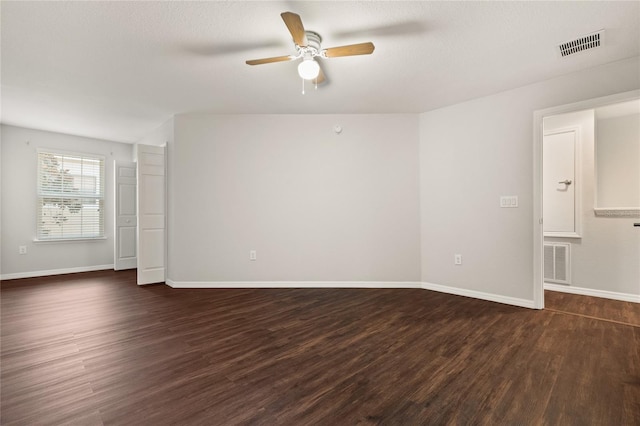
pixel 552 234
pixel 33 274
pixel 507 300
pixel 293 284
pixel 625 297
pixel 617 211
pixel 354 284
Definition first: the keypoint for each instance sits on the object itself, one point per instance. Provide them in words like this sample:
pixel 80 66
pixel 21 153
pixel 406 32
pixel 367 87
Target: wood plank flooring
pixel 593 307
pixel 95 349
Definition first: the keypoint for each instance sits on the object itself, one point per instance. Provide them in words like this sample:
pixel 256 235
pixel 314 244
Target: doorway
pixel 599 257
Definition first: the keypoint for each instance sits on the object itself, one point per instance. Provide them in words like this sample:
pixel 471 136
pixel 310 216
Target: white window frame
pixel 98 195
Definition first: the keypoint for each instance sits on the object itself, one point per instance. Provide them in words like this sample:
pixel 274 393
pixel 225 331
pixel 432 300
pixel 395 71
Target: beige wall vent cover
pixel 557 263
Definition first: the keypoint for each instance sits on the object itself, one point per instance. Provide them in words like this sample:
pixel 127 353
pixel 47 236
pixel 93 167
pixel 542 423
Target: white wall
pixel 19 172
pixel 1 233
pixel 390 199
pixel 473 152
pixel 160 136
pixel 618 161
pixel 315 205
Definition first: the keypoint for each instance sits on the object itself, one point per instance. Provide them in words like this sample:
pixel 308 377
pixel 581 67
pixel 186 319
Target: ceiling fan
pixel 307 45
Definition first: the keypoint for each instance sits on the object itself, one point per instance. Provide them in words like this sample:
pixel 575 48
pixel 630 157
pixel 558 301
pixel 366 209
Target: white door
pixel 125 217
pixel 558 184
pixel 151 214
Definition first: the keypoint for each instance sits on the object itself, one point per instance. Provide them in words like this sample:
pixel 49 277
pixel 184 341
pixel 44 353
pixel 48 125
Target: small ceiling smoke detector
pixel 586 42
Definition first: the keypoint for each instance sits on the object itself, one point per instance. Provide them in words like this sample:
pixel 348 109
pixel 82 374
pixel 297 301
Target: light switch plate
pixel 508 201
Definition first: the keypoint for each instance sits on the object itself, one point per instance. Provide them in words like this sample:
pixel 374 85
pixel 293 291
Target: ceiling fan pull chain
pixel 302 86
pixel 316 83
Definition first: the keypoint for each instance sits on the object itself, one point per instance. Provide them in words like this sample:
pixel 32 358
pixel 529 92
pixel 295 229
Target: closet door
pixel 559 183
pixel 125 235
pixel 151 214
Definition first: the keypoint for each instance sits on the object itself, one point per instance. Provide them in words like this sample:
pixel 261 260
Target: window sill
pixel 69 240
pixel 561 234
pixel 617 211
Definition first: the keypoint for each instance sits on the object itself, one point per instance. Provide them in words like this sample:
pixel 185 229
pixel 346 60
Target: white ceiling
pixel 117 70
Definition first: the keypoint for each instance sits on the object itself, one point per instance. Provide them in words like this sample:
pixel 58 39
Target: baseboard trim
pixel 34 274
pixel 293 284
pixel 353 284
pixel 625 297
pixel 507 300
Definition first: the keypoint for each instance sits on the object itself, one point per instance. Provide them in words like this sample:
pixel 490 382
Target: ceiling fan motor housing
pixel 313 46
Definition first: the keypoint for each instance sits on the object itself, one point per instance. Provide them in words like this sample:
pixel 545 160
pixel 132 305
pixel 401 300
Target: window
pixel 70 196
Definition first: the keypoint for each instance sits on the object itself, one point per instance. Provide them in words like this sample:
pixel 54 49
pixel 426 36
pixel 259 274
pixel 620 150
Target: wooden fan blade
pixel 270 60
pixel 321 77
pixel 350 50
pixel 294 24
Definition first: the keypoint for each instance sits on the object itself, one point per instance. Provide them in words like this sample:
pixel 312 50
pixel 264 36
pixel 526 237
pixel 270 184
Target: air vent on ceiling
pixel 586 42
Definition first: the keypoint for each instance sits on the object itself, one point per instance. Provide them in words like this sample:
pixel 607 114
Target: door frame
pixel 538 235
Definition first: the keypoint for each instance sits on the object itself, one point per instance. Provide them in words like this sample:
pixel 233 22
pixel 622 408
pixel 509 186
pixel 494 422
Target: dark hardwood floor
pixel 95 348
pixel 608 310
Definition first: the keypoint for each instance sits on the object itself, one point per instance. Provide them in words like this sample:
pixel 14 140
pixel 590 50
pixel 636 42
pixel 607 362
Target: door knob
pixel 566 182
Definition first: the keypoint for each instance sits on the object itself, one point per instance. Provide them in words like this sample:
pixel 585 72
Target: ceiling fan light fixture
pixel 309 69
pixel 307 47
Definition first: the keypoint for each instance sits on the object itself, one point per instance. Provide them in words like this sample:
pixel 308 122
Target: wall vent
pixel 557 263
pixel 586 42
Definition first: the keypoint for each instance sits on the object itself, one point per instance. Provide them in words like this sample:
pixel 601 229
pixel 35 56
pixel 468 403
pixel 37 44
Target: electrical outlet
pixel 22 249
pixel 509 201
pixel 457 259
pixel 253 255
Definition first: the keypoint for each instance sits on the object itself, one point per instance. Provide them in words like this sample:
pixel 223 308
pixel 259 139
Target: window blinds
pixel 70 196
